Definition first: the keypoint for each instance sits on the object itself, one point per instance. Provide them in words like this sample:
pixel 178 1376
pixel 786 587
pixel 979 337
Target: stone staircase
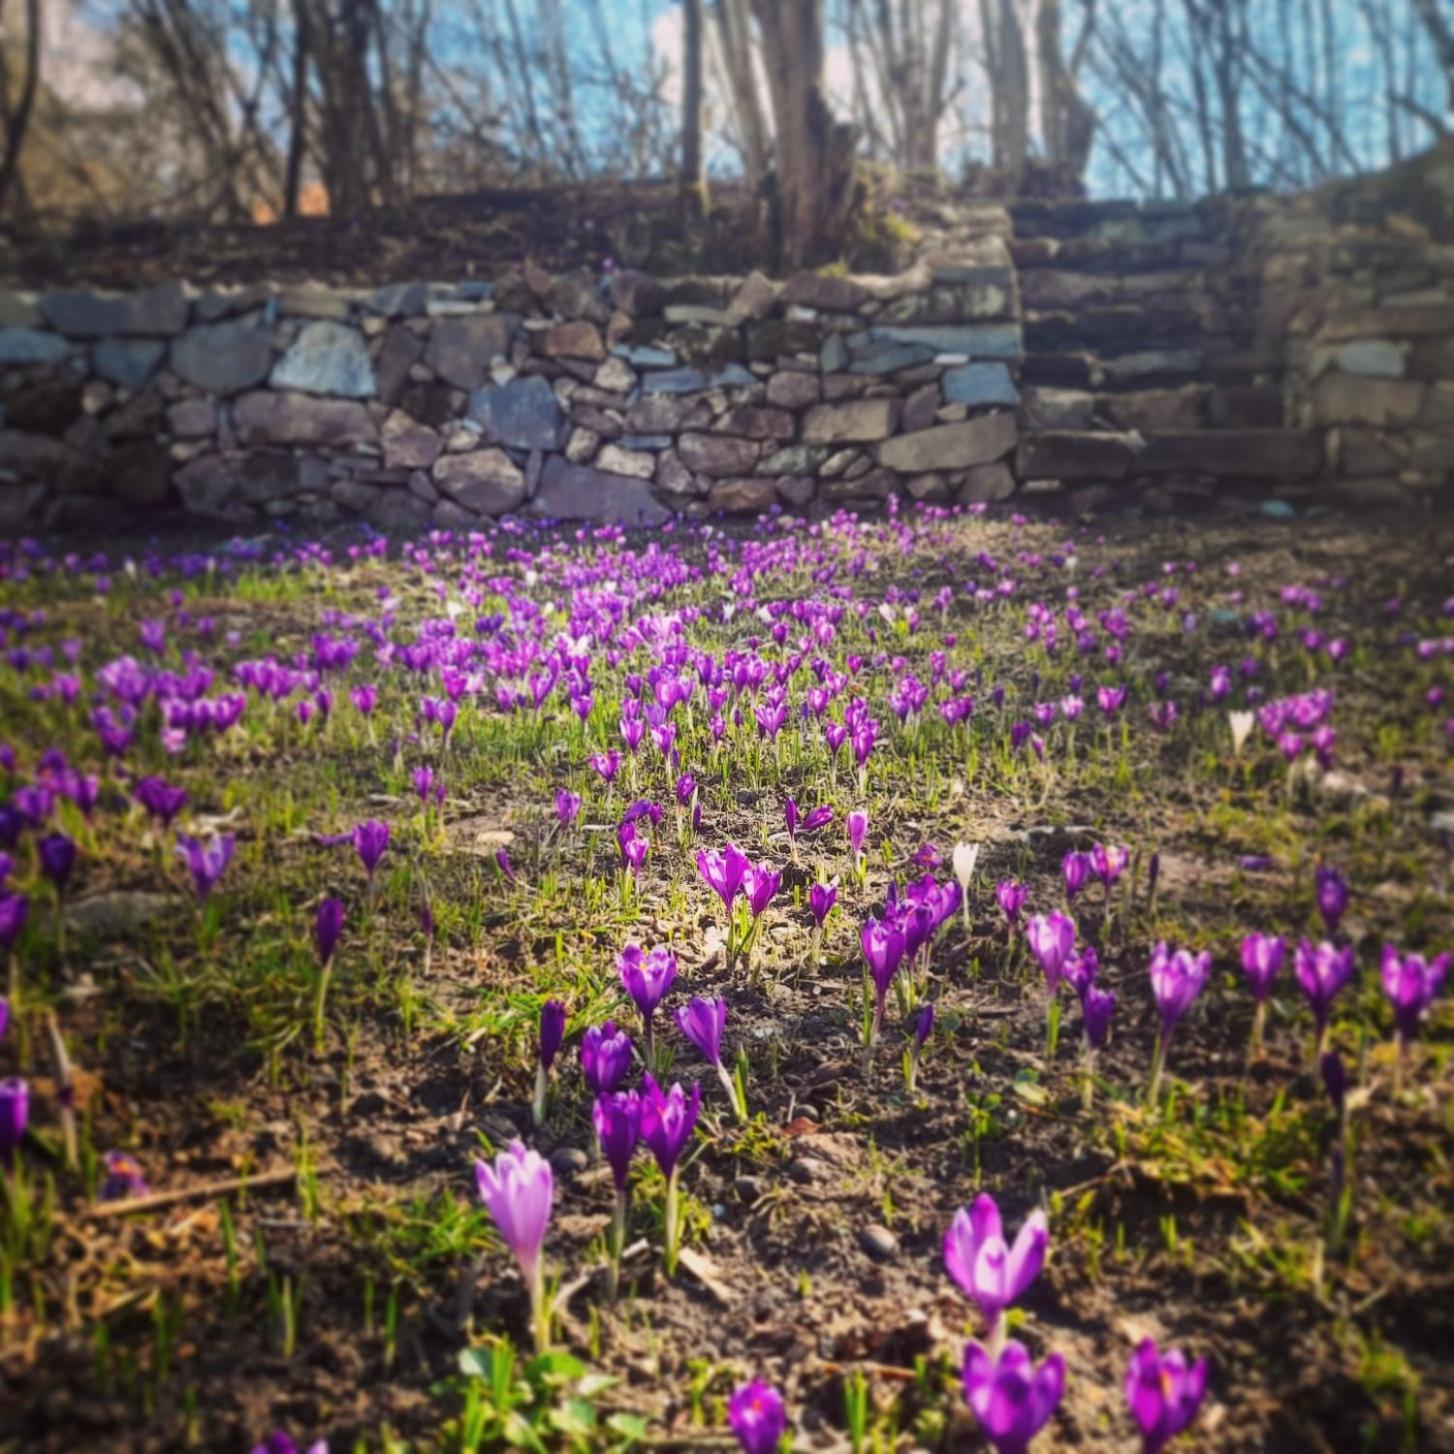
pixel 1143 369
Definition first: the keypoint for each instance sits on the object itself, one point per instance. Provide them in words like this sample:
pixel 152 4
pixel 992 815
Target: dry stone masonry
pixel 1097 354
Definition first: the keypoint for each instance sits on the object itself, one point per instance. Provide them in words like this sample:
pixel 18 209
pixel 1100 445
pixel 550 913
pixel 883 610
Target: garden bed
pixel 338 1299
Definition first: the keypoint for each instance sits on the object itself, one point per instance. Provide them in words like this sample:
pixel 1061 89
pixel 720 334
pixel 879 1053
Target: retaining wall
pixel 1095 354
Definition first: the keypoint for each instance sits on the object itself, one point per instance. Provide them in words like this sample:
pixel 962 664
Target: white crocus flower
pixel 966 855
pixel 1241 725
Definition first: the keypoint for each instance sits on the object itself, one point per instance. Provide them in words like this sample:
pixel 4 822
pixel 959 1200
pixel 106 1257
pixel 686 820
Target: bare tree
pixel 694 171
pixel 815 152
pixel 1008 67
pixel 1067 119
pixel 17 121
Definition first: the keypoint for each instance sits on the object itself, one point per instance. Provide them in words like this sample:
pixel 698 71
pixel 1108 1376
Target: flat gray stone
pixel 329 359
pixel 523 414
pixel 978 340
pixel 461 350
pixel 580 492
pixel 18 310
pixel 980 383
pixel 852 421
pixel 950 446
pixel 31 346
pixel 225 358
pixel 159 312
pixel 207 486
pixel 694 381
pixel 644 356
pixel 286 418
pixel 1371 357
pixel 399 300
pixel 878 358
pixel 129 362
pixel 486 481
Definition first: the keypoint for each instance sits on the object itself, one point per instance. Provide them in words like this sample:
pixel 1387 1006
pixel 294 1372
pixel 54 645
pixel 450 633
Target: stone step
pixel 1122 328
pixel 1222 454
pixel 1201 405
pixel 1146 368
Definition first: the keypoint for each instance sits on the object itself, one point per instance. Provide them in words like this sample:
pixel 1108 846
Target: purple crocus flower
pixel 552 1031
pixel 370 840
pixel 14 1114
pixel 206 862
pixel 1322 971
pixel 160 799
pixel 13 909
pixel 518 1190
pixel 987 1269
pixel 816 819
pixel 702 1022
pixel 1332 896
pixel 668 1119
pixel 57 853
pixel 327 928
pixel 567 806
pixel 758 1418
pixel 1051 938
pixel 791 816
pixel 857 831
pixel 617 1119
pixel 884 947
pixel 1011 1398
pixel 124 1178
pixel 1262 956
pixel 1075 868
pixel 1411 984
pixel 923 1025
pixel 1011 898
pixel 281 1443
pixel 1109 863
pixel 760 884
pixel 1164 1393
pixel 722 870
pixel 1097 1007
pixel 647 976
pixel 821 898
pixel 1080 970
pixel 1176 980
pixel 605 1057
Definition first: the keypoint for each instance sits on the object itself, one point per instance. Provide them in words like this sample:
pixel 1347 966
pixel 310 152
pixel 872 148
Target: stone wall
pixel 1165 357
pixel 604 396
pixel 1365 306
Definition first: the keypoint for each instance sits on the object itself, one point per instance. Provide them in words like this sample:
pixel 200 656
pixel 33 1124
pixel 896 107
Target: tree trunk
pixel 297 112
pixel 694 171
pixel 1067 120
pixel 734 25
pixel 18 123
pixel 814 152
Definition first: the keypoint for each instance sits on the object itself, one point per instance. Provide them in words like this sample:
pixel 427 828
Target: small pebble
pixel 878 1242
pixel 749 1188
pixel 568 1160
pixel 807 1168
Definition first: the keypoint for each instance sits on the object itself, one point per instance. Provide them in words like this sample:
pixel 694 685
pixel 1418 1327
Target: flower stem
pixel 673 1228
pixel 539 1307
pixel 318 1004
pixel 1158 1063
pixel 618 1240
